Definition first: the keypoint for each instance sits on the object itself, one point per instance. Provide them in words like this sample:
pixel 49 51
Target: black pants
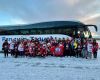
pixel 78 53
pixel 64 54
pixel 95 54
pixel 68 52
pixel 6 53
pixel 21 53
pixel 12 52
pixel 16 54
pixel 75 52
pixel 72 53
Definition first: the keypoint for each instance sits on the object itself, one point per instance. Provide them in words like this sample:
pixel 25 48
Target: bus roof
pixel 42 25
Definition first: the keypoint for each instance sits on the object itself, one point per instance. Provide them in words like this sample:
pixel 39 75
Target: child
pixel 75 47
pixel 52 49
pixel 12 48
pixel 16 49
pixel 79 49
pixel 90 48
pixel 32 49
pixel 84 49
pixel 95 48
pixel 43 51
pixel 26 47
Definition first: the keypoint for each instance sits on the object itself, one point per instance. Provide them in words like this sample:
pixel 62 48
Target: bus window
pixel 23 32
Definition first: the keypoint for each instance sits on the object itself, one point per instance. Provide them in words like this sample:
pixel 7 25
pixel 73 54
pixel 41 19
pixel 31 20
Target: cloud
pixel 17 21
pixel 72 2
pixel 14 21
pixel 90 18
pixel 32 11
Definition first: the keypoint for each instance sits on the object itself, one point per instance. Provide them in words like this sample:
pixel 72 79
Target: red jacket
pixel 43 51
pixel 52 49
pixel 95 47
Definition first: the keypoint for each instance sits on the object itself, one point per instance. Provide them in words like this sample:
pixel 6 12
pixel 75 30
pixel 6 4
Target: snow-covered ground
pixel 49 68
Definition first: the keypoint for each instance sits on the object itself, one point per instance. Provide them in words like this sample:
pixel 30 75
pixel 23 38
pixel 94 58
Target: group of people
pixel 77 47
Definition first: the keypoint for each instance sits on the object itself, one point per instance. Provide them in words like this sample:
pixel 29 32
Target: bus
pixel 59 29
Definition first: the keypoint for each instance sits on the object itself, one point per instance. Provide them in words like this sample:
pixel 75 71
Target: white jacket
pixel 89 47
pixel 20 47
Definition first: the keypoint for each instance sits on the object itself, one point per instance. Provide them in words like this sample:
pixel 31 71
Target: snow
pixel 49 68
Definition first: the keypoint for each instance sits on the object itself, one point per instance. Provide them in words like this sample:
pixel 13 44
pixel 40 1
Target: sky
pixel 33 11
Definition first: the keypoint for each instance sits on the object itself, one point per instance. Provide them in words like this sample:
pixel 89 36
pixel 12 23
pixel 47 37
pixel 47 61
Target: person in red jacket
pixel 26 50
pixel 95 48
pixel 30 50
pixel 37 48
pixel 52 49
pixel 43 50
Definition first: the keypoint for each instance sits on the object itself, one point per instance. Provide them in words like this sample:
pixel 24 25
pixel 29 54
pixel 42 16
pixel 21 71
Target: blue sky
pixel 31 11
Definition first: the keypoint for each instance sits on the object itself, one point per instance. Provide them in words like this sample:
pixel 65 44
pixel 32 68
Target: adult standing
pixel 82 36
pixel 5 48
pixel 21 49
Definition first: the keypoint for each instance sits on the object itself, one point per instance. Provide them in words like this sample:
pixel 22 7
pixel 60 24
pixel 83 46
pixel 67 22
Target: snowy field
pixel 49 68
